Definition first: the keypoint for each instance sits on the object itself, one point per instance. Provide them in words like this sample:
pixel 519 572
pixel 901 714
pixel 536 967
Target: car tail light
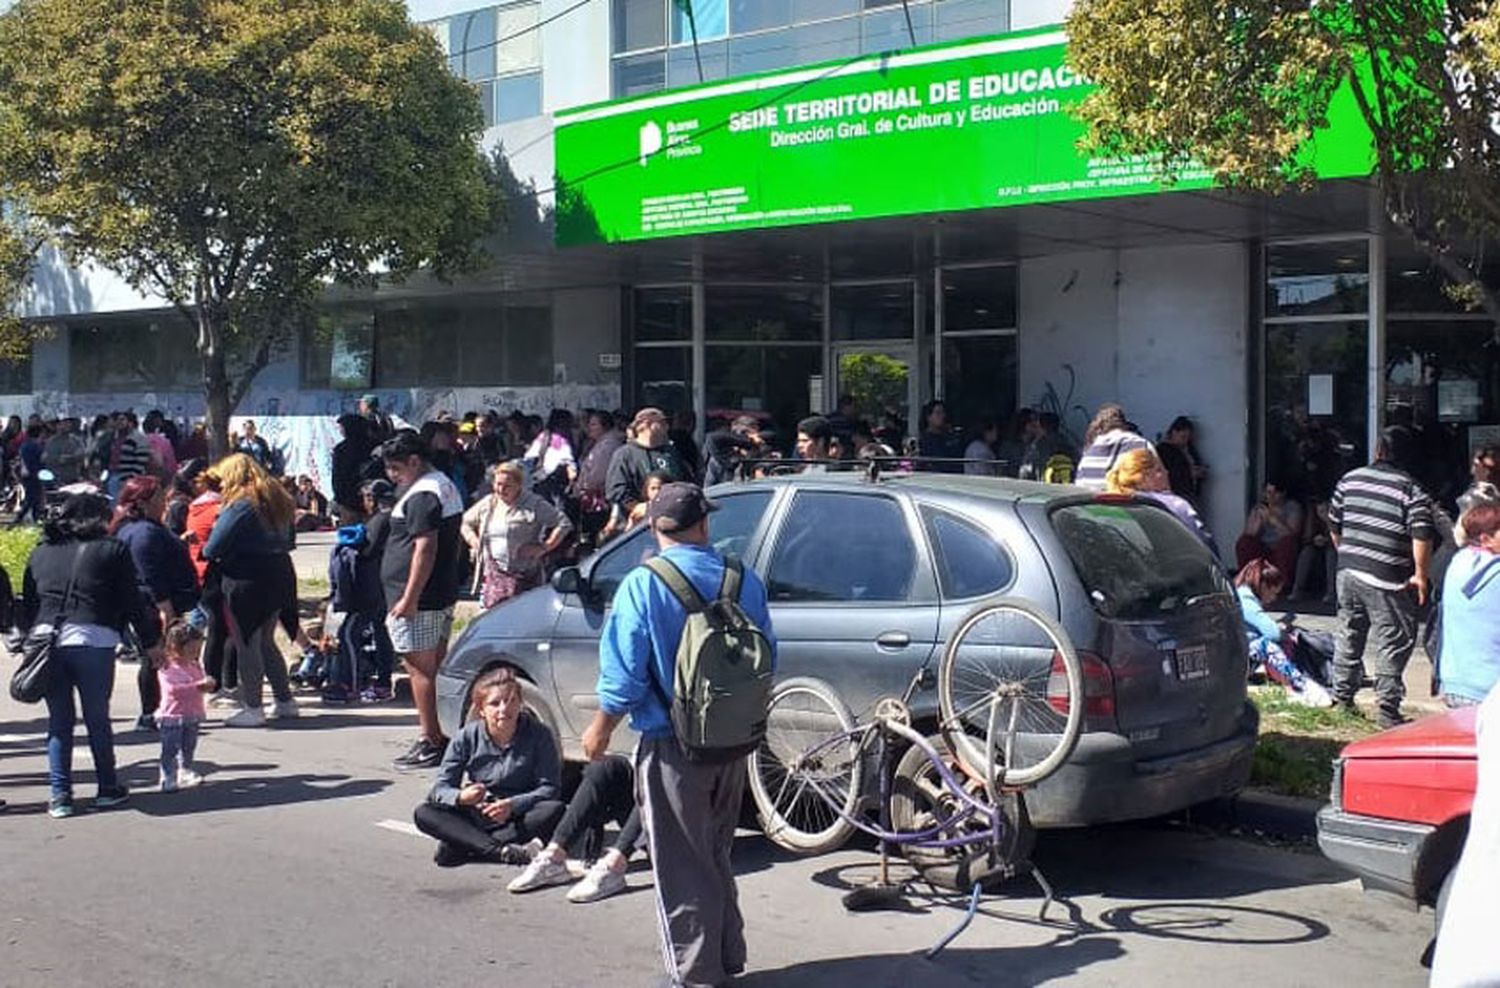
pixel 1098 690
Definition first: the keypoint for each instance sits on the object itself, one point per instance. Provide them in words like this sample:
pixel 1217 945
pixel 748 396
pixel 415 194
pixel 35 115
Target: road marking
pixel 13 738
pixel 398 826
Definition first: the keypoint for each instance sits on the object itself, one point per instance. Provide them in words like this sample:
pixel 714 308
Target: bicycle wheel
pixel 805 775
pixel 1010 691
pixel 922 801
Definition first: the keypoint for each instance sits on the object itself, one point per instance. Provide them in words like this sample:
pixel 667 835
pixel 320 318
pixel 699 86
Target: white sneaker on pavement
pixel 541 873
pixel 187 779
pixel 246 717
pixel 601 882
pixel 285 710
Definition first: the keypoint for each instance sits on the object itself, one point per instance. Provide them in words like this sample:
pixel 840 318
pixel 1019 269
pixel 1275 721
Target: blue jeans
pixel 90 671
pixel 179 736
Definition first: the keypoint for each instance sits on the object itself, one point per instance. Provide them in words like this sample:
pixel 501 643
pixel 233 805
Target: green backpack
pixel 722 683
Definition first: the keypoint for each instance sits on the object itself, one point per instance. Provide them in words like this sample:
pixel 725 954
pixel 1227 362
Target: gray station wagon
pixel 868 577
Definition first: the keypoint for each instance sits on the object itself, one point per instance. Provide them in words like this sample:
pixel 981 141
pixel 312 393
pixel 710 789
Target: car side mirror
pixel 570 579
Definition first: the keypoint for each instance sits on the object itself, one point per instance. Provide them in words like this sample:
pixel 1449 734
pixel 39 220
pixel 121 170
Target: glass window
pixel 1136 561
pixel 980 375
pixel 487 101
pixel 15 376
pixel 528 345
pixel 471 44
pixel 640 74
pixel 519 97
pixel 966 18
pixel 817 10
pixel 1446 375
pixel 852 548
pixel 664 377
pixel 1317 279
pixel 520 43
pixel 887 30
pixel 744 313
pixel 733 525
pixel 663 314
pixel 979 298
pixel 774 381
pixel 1415 284
pixel 134 353
pixel 620 558
pixel 338 351
pixel 639 24
pixel 710 18
pixel 802 45
pixel 759 15
pixel 682 65
pixel 476 343
pixel 1316 398
pixel 873 312
pixel 970 563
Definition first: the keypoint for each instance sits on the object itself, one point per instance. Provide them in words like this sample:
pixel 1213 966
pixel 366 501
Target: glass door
pixel 880 380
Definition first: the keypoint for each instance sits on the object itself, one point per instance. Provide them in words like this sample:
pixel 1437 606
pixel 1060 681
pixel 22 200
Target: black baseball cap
pixel 679 506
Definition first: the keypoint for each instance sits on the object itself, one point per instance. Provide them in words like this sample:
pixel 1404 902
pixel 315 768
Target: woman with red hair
pixel 163 570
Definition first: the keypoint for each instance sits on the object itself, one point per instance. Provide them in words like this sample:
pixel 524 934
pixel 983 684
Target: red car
pixel 1401 801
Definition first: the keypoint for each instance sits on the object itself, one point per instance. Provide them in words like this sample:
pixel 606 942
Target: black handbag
pixel 30 681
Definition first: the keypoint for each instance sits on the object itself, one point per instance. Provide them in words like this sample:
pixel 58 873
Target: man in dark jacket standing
pixel 649 451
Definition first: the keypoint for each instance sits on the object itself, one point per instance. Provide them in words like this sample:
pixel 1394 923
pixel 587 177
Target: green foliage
pixel 15 549
pixel 1244 87
pixel 233 156
pixel 877 381
pixel 16 251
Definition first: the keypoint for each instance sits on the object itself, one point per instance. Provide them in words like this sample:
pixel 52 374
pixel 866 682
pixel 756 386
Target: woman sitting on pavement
pixel 510 806
pixel 511 531
pixel 1469 662
pixel 1257 585
pixel 1273 530
pixel 606 795
pixel 162 566
pixel 87 581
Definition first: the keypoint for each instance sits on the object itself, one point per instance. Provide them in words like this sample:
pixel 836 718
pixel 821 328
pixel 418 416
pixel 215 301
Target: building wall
pixel 1162 330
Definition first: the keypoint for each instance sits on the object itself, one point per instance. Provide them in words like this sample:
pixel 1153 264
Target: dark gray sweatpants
pixel 690 810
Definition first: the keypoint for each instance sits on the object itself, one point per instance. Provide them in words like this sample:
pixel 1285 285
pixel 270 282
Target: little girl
pixel 183 684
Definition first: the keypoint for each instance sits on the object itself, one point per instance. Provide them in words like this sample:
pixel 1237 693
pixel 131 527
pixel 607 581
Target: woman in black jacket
pixel 83 578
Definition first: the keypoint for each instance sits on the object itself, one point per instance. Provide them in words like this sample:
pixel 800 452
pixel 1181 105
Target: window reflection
pixel 1317 279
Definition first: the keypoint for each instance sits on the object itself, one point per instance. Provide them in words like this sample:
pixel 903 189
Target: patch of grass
pixel 313 588
pixel 1298 744
pixel 15 548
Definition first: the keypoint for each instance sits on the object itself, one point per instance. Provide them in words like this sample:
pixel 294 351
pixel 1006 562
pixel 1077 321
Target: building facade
pixel 783 213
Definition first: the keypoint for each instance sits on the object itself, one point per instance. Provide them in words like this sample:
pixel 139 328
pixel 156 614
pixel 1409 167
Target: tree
pixel 16 253
pixel 235 156
pixel 1243 87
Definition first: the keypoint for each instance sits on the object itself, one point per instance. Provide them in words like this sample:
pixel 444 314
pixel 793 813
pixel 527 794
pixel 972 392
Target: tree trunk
pixel 217 400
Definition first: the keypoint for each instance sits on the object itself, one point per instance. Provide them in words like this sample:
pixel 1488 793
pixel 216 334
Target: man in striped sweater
pixel 1381 521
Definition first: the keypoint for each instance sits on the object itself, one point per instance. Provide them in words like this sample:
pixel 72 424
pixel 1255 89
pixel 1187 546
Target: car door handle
pixel 893 639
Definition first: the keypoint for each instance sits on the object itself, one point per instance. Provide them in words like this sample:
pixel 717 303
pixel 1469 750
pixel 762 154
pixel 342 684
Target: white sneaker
pixel 187 779
pixel 601 882
pixel 246 717
pixel 285 710
pixel 541 873
pixel 168 784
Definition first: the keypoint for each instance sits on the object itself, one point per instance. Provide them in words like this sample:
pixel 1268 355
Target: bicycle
pixel 1010 709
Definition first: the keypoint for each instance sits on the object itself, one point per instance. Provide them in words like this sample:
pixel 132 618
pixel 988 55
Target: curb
pixel 1285 816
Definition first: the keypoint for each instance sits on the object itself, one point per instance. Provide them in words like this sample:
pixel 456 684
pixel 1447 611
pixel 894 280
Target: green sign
pixel 968 126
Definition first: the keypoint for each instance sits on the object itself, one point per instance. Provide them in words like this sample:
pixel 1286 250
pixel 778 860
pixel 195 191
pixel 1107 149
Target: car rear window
pixel 1136 561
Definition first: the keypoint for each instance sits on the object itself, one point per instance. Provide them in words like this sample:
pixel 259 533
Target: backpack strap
pixel 682 588
pixel 734 577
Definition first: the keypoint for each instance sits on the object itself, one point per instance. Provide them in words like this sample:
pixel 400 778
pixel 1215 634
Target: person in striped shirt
pixel 1382 525
pixel 1109 437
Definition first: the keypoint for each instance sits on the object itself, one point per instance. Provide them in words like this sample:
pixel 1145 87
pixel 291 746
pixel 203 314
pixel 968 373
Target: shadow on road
pixel 1000 966
pixel 242 792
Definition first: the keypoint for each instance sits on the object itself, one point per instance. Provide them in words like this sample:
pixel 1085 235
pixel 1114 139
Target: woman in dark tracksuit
pixel 163 568
pixel 104 599
pixel 250 546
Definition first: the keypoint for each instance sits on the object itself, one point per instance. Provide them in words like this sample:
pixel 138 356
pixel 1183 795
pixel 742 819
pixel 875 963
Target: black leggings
pixel 606 795
pixel 464 827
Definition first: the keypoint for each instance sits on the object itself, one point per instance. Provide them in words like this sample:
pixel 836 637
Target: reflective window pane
pixel 1317 279
pixel 133 353
pixel 970 563
pixel 682 65
pixel 889 30
pixel 639 24
pixel 817 10
pixel 710 18
pixel 471 44
pixel 771 381
pixel 1316 401
pixel 518 97
pixel 664 377
pixel 338 351
pixel 979 298
pixel 803 45
pixel 759 15
pixel 520 47
pixel 743 313
pixel 528 345
pixel 980 375
pixel 873 312
pixel 640 74
pixel 1444 377
pixel 487 101
pixel 955 19
pixel 663 314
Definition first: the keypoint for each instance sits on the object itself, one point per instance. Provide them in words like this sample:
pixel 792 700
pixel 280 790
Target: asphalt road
pixel 295 864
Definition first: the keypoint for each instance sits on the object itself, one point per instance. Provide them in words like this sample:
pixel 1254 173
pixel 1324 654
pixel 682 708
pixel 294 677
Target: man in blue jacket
pixel 689 808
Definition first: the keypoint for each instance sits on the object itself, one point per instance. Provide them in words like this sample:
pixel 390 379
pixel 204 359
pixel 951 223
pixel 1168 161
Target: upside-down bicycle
pixel 1009 710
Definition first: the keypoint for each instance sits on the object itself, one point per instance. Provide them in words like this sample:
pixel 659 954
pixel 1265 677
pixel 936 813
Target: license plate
pixel 1192 663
